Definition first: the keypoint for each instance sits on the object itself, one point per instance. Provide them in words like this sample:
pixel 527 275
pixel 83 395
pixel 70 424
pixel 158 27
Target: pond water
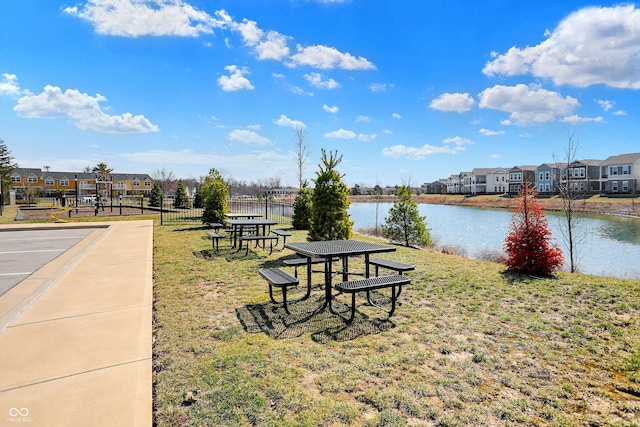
pixel 608 246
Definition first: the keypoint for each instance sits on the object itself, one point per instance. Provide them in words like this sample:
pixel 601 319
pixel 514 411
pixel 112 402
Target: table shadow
pixel 272 320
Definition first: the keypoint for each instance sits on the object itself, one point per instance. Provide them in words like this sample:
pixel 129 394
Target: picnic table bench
pixel 284 281
pixel 215 237
pixel 257 239
pixel 390 265
pixel 370 284
pixel 282 233
pixel 298 262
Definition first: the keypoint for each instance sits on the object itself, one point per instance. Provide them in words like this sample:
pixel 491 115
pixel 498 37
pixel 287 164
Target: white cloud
pixel 251 34
pixel 341 134
pixel 9 85
pixel 396 116
pixel 420 153
pixel 235 80
pixel 299 91
pixel 458 102
pixel 272 46
pixel 575 119
pixel 362 118
pixel 248 137
pixel 606 105
pixel 331 110
pixel 287 122
pixel 82 109
pixel 347 134
pixel 317 80
pixel 416 153
pixel 325 58
pixel 458 141
pixel 594 45
pixel 380 87
pixel 366 138
pixel 619 113
pixel 527 104
pixel 133 18
pixel 488 132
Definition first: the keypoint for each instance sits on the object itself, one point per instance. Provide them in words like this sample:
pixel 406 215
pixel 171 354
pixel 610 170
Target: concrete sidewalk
pixel 75 336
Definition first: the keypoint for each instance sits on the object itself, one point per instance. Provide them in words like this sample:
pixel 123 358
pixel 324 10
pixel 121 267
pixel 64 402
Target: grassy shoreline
pixel 593 205
pixel 468 345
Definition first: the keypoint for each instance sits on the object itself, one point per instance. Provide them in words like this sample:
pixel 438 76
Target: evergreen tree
pixel 330 202
pixel 6 167
pixel 528 244
pixel 216 195
pixel 156 195
pixel 198 200
pixel 181 200
pixel 404 223
pixel 302 208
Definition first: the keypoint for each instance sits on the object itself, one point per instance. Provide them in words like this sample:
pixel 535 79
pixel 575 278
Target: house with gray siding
pixel 621 174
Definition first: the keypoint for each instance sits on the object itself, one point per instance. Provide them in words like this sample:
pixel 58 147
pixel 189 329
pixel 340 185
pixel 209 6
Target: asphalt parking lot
pixel 23 252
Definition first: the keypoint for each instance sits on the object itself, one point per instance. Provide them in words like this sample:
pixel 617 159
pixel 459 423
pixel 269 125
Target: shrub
pixel 215 194
pixel 528 243
pixel 404 223
pixel 302 209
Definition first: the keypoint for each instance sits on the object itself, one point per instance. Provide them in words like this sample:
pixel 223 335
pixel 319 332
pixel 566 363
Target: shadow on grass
pixel 305 317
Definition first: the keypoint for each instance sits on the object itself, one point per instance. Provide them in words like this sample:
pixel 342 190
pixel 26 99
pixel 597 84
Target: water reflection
pixel 609 246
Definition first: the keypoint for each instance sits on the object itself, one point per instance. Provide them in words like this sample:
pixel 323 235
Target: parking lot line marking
pixel 32 252
pixel 16 274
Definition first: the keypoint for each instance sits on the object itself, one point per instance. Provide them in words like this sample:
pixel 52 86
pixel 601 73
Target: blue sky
pixel 407 91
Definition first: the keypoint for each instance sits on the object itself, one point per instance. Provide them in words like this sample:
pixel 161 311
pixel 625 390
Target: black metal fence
pixel 279 210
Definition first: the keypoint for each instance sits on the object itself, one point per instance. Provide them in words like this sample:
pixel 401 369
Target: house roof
pixel 622 159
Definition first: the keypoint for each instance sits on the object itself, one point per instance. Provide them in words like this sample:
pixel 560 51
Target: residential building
pixel 32 181
pixel 436 187
pixel 621 174
pixel 547 176
pixel 519 175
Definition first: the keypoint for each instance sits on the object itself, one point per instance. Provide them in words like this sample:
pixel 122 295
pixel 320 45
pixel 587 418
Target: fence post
pixel 266 206
pixel 161 207
pixel 142 204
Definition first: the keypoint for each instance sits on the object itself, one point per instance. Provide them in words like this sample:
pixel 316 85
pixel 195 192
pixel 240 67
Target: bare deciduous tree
pixel 166 178
pixel 302 153
pixel 569 195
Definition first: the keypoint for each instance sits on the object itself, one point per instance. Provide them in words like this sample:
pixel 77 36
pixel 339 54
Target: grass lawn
pixel 469 345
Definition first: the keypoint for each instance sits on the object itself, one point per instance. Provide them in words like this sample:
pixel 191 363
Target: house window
pixel 136 183
pixel 546 176
pixel 32 179
pixel 49 182
pixel 540 188
pixel 626 170
pixel 16 178
pixel 547 188
pixel 64 182
pixel 120 184
pixel 147 182
pixel 541 176
pixel 625 186
pixel 614 186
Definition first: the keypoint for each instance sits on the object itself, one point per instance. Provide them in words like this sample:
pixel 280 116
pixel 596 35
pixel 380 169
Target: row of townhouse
pixel 615 175
pixel 49 184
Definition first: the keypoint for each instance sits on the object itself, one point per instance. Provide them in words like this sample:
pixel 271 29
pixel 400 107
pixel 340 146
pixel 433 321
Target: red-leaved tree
pixel 528 244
